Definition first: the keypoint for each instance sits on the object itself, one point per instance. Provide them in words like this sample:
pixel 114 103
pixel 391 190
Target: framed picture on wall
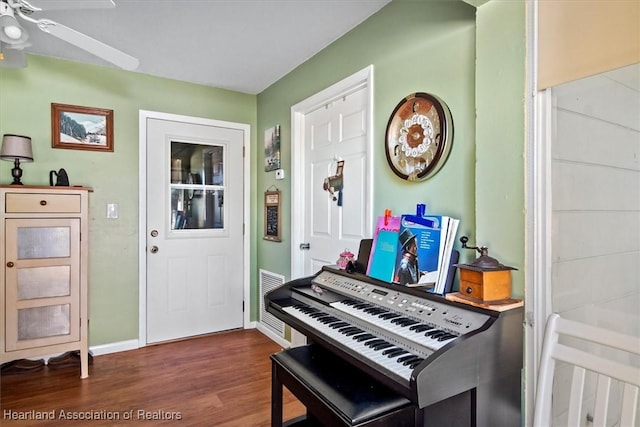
pixel 81 128
pixel 272 149
pixel 272 216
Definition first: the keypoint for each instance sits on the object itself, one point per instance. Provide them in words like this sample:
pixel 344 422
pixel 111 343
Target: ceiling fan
pixel 14 37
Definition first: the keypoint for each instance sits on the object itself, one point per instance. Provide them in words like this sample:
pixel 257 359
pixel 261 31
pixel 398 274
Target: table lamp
pixel 16 148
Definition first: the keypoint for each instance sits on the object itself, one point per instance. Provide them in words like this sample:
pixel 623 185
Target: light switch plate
pixel 112 210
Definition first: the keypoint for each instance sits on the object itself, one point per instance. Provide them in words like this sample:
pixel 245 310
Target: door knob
pixel 154 249
pixel 10 264
pixel 154 233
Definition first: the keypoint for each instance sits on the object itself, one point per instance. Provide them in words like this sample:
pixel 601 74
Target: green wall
pixel 475 62
pixel 25 103
pixel 414 46
pixel 500 134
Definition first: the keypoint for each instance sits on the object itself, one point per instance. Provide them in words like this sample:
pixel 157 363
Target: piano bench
pixel 334 392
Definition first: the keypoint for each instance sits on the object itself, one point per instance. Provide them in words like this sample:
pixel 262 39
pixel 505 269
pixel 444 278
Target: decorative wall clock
pixel 419 136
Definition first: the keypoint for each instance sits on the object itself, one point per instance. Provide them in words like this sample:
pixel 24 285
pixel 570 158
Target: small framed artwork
pixel 272 149
pixel 81 128
pixel 272 216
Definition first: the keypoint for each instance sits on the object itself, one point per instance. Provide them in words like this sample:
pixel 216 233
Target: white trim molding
pixel 114 347
pixel 538 217
pixel 274 337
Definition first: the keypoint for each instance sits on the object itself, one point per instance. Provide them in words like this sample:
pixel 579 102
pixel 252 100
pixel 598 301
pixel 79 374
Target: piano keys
pixel 376 349
pixel 454 362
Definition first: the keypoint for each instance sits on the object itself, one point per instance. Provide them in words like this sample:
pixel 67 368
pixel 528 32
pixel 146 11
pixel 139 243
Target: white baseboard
pixel 251 325
pixel 114 347
pixel 275 337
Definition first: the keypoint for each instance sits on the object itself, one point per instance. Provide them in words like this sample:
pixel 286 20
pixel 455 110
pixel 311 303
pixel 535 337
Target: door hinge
pixel 243 149
pixel 243 306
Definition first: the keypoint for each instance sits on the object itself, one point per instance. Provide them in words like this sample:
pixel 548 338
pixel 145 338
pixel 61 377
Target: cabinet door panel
pixel 43 242
pixel 42 282
pixel 43 322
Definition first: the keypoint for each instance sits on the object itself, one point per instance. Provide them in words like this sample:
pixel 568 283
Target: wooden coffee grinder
pixel 485 279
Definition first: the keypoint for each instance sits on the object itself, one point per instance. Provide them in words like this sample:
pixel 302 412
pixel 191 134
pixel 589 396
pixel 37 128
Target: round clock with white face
pixel 419 136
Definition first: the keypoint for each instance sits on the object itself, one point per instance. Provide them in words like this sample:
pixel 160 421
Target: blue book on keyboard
pixel 384 255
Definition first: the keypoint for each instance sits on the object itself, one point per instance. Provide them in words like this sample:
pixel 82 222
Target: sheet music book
pixel 385 222
pixel 383 259
pixel 433 246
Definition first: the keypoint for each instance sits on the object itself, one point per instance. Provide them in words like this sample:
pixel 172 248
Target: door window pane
pixel 197 209
pixel 197 186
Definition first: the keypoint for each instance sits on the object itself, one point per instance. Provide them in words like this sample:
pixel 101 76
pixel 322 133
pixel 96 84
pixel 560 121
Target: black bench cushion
pixel 349 391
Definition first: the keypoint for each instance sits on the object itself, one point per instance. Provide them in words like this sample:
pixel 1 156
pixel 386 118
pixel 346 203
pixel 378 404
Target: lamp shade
pixel 16 147
pixel 11 32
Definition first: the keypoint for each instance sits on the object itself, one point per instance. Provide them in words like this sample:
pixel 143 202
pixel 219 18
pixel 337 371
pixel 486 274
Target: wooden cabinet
pixel 43 298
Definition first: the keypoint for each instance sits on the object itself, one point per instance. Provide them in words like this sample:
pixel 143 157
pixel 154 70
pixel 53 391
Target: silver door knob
pixel 154 233
pixel 154 249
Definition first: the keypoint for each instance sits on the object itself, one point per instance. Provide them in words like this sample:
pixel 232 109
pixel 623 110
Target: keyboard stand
pixel 334 393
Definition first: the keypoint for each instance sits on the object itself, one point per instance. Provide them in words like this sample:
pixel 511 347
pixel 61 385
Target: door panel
pixel 353 203
pixel 320 212
pixel 194 243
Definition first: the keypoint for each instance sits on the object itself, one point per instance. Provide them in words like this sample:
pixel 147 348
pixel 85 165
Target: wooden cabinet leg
pixel 84 363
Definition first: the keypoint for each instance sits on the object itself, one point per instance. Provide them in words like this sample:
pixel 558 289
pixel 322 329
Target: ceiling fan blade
pixel 12 58
pixel 71 4
pixel 89 44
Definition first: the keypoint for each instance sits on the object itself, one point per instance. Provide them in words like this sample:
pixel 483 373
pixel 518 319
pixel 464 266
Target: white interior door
pixel 194 229
pixel 330 127
pixel 335 132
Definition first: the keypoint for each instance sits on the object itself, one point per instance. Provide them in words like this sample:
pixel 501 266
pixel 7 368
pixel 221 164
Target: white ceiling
pixel 241 45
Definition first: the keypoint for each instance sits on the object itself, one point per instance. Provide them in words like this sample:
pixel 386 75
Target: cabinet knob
pixel 10 264
pixel 469 290
pixel 43 203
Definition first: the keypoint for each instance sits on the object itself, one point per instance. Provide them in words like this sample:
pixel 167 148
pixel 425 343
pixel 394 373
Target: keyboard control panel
pixel 444 316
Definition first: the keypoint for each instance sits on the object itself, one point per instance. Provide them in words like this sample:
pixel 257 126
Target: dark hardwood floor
pixel 216 380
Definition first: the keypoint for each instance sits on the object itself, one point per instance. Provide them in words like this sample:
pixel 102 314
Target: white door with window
pixel 332 136
pixel 194 229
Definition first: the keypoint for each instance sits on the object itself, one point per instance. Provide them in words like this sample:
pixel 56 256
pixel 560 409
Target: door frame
pixel 145 115
pixel 538 207
pixel 358 80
